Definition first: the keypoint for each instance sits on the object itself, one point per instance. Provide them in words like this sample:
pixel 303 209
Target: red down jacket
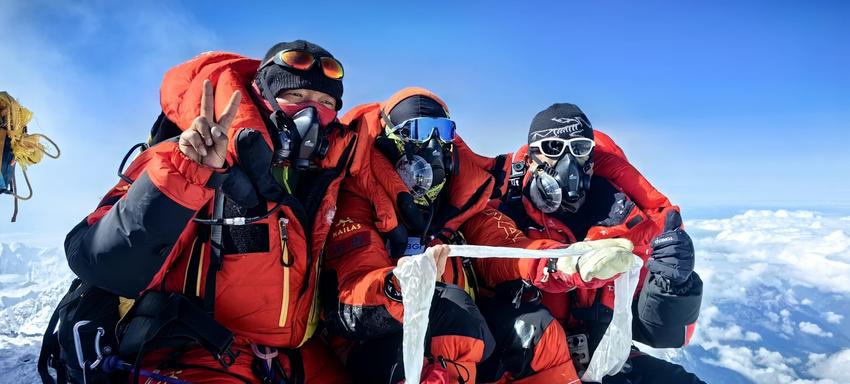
pixel 142 237
pixel 639 218
pixel 367 302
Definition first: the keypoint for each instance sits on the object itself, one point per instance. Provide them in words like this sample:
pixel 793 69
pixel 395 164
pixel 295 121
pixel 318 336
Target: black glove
pixel 672 251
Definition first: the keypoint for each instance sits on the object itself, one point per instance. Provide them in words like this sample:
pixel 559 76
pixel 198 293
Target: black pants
pixel 453 313
pixel 645 369
pixel 518 331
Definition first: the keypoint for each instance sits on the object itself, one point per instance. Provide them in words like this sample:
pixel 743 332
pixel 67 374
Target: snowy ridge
pixel 32 281
pixel 775 310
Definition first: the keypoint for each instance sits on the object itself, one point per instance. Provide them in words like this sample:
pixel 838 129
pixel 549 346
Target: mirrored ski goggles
pixel 555 147
pixel 423 128
pixel 303 60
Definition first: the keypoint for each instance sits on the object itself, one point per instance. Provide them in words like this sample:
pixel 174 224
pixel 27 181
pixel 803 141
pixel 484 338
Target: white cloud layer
pixel 835 367
pixel 813 329
pixel 804 247
pixel 833 317
pixel 776 291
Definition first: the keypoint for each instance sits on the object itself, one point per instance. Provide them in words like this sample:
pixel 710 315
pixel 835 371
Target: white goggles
pixel 555 147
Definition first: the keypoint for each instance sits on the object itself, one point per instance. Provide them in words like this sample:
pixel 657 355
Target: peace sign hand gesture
pixel 206 139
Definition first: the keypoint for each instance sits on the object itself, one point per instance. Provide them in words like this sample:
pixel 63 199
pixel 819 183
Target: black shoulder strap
pixel 49 351
pixel 215 253
pixel 314 201
pixel 50 341
pixel 498 172
pixel 513 209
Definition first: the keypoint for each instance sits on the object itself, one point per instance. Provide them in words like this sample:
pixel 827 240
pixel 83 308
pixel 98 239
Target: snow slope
pixel 32 281
pixel 776 307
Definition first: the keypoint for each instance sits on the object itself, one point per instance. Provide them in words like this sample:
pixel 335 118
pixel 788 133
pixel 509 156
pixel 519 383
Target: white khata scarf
pixel 417 279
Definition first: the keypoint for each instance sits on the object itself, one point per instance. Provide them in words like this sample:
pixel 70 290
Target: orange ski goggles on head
pixel 303 60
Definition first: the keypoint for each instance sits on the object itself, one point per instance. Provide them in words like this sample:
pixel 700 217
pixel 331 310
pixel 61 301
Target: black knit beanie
pixel 277 78
pixel 416 106
pixel 563 120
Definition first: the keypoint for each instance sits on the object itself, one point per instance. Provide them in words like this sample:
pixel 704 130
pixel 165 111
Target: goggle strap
pixel 387 122
pixel 288 123
pixel 537 161
pixel 267 94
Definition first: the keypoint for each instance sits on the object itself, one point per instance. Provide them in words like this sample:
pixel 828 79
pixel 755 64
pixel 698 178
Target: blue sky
pixel 722 104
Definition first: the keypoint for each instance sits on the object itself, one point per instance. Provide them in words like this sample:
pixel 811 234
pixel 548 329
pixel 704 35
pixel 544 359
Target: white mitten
pixel 604 259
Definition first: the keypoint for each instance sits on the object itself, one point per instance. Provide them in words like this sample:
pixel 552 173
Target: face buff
pixel 417 280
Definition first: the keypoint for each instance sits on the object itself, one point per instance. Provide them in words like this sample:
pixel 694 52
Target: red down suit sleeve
pixel 361 300
pixel 125 245
pixel 493 228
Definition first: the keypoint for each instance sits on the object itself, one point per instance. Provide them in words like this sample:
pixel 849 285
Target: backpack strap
pixel 162 129
pixel 178 317
pixel 216 244
pixel 50 354
pixel 172 320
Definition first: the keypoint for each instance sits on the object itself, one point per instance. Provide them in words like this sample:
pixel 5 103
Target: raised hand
pixel 440 253
pixel 206 139
pixel 672 251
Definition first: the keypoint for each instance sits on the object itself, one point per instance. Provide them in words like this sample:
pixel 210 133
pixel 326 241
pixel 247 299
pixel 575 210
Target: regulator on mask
pixel 298 142
pixel 416 173
pixel 417 139
pixel 423 167
pixel 561 186
pixel 561 133
pixel 299 134
pixel 302 139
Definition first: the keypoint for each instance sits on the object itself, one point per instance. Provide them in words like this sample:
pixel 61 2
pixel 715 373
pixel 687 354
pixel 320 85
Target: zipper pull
pixel 284 248
pixel 283 222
